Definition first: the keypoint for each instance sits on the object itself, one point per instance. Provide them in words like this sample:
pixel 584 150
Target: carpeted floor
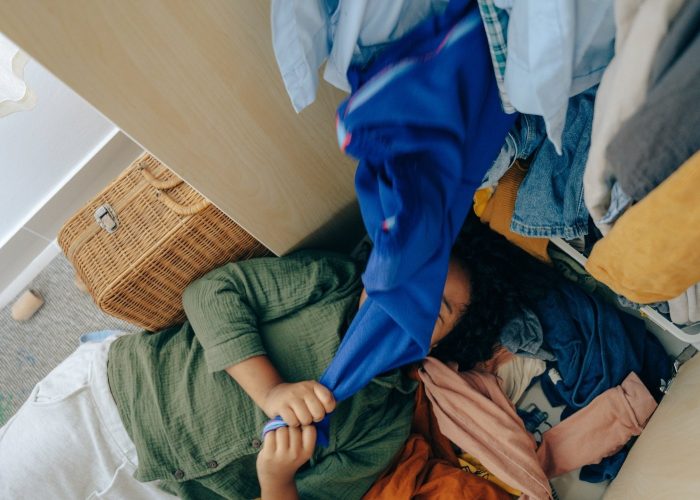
pixel 31 349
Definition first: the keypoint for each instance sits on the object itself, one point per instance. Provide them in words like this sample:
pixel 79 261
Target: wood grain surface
pixel 197 85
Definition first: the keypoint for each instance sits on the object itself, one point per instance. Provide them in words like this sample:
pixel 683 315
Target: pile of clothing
pixel 597 362
pixel 603 86
pixel 548 118
pixel 595 88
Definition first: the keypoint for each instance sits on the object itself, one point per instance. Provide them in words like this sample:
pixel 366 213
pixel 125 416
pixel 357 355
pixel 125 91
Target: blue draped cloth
pixel 425 122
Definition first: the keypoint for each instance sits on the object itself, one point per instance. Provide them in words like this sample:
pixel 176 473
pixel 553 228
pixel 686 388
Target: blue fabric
pixel 99 336
pixel 556 49
pixel 550 199
pixel 425 121
pixel 606 469
pixel 619 203
pixel 596 347
pixel 522 335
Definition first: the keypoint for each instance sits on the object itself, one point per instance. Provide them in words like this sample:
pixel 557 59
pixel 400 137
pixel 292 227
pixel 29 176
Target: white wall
pixel 53 159
pixel 41 149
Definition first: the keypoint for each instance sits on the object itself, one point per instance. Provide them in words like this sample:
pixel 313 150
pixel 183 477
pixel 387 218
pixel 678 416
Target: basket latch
pixel 106 218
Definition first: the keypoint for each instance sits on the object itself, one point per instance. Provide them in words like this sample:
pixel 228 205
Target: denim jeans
pixel 550 199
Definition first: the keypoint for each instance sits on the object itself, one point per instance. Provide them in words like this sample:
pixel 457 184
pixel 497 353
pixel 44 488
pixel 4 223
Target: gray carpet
pixel 31 349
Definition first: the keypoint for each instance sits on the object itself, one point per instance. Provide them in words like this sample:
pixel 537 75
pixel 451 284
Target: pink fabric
pixel 473 412
pixel 597 431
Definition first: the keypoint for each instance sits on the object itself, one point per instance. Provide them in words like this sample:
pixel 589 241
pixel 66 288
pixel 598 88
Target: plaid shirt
pixel 195 428
pixel 496 25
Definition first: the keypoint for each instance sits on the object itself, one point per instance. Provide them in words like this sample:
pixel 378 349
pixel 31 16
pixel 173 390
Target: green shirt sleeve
pixel 226 306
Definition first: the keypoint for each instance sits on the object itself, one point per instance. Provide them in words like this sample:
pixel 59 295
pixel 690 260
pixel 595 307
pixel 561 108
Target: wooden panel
pixel 196 83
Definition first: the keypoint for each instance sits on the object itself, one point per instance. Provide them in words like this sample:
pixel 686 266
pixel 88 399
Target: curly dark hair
pixel 503 279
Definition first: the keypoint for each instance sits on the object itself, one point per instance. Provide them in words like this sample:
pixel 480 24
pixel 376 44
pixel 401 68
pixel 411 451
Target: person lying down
pixel 179 411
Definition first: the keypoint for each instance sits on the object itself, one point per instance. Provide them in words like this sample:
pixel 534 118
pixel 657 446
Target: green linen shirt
pixel 195 428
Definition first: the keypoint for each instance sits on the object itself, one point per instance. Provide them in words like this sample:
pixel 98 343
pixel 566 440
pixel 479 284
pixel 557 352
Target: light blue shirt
pixel 556 50
pixel 305 33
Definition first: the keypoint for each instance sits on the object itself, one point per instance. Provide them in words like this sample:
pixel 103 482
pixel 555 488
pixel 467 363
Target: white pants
pixel 68 442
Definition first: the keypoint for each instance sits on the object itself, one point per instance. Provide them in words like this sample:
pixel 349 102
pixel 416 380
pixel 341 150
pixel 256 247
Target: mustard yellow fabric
pixel 652 253
pixel 496 210
pixel 481 199
pixel 468 463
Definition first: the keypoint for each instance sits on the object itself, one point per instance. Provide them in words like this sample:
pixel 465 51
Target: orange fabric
pixel 499 212
pixel 428 468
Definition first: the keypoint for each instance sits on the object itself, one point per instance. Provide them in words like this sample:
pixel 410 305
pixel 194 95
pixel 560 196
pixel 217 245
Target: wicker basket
pixel 142 240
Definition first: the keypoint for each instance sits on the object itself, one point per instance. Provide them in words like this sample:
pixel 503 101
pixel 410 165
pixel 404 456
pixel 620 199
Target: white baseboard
pixel 28 245
pixel 24 279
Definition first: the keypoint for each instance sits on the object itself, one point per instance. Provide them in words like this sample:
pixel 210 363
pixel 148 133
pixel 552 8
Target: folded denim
pixel 549 202
pixel 523 335
pixel 550 199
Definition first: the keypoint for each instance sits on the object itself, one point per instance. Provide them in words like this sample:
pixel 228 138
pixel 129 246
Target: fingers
pixel 325 397
pixel 308 439
pixel 281 438
pixel 289 416
pixel 301 442
pixel 295 441
pixel 270 442
pixel 285 449
pixel 302 412
pixel 301 403
pixel 315 408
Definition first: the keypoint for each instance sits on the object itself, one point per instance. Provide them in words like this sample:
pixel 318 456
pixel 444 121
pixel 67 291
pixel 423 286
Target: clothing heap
pixel 545 128
pixel 597 362
pixel 600 148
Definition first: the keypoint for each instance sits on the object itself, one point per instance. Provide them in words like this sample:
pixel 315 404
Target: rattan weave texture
pixel 165 239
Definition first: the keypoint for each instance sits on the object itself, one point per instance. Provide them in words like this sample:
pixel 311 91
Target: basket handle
pixel 162 185
pixel 159 183
pixel 179 208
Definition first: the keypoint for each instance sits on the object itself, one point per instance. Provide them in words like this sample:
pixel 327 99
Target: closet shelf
pixel 689 334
